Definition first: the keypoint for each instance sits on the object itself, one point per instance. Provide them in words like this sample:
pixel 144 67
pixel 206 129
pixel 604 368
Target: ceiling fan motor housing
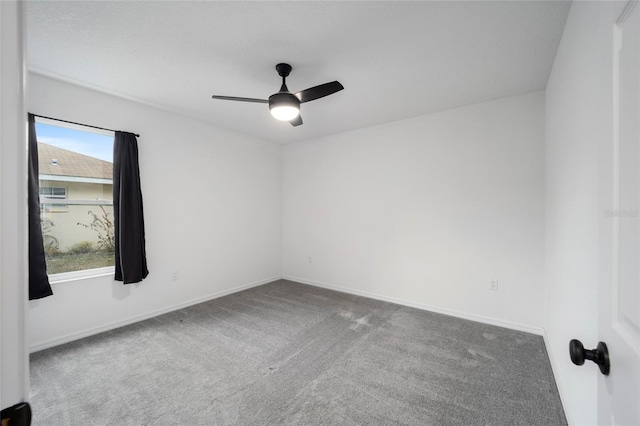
pixel 279 99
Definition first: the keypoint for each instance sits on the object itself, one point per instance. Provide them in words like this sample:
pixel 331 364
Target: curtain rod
pixel 79 124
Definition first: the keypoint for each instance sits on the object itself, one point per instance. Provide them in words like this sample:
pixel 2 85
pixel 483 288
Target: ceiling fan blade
pixel 233 98
pixel 296 121
pixel 318 92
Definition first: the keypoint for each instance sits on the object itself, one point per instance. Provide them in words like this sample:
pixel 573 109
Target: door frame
pixel 14 354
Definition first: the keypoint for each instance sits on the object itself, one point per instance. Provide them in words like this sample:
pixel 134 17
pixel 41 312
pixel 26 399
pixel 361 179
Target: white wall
pixel 212 211
pixel 426 211
pixel 578 111
pixel 13 208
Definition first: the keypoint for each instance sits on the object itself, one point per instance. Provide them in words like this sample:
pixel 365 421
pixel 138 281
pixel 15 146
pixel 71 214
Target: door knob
pixel 599 355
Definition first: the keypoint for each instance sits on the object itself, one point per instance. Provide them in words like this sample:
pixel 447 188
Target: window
pixel 51 192
pixel 76 166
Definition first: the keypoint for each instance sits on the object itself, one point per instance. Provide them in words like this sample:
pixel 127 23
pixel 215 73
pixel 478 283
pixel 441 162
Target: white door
pixel 619 297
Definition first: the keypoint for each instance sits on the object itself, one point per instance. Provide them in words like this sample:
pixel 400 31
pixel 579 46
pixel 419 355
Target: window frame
pixel 83 274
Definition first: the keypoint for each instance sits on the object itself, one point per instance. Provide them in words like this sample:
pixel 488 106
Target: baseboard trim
pixel 554 369
pixel 111 326
pixel 424 307
pixel 136 318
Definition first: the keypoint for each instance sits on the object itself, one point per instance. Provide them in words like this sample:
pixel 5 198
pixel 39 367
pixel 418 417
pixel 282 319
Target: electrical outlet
pixel 493 285
pixel 174 276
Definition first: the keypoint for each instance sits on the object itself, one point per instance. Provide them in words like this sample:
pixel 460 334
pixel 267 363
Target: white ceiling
pixel 395 59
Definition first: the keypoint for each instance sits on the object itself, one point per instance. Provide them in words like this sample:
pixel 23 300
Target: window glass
pixel 76 166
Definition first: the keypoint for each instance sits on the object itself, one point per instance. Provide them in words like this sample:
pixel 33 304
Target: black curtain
pixel 131 259
pixel 38 280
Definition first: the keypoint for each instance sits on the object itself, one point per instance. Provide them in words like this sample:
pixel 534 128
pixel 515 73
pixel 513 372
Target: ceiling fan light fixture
pixel 285 112
pixel 284 106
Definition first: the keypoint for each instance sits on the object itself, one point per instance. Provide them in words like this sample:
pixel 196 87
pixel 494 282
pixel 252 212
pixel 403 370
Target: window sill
pixel 81 275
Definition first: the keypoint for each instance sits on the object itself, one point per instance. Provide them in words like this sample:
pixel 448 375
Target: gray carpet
pixel 287 353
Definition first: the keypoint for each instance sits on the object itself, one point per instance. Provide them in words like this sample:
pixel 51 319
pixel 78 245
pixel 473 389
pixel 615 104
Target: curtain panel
pixel 39 286
pixel 130 253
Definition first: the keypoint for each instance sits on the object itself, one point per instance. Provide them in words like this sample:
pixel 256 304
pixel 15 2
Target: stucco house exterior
pixel 78 179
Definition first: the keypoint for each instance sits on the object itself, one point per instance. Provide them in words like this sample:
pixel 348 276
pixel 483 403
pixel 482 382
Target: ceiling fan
pixel 284 105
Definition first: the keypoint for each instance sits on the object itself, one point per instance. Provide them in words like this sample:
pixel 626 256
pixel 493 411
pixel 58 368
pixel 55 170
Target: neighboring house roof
pixel 60 162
